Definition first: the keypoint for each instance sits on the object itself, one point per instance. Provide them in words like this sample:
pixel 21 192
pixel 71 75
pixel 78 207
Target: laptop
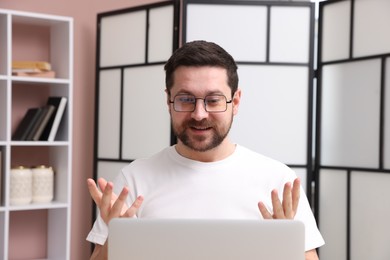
pixel 174 239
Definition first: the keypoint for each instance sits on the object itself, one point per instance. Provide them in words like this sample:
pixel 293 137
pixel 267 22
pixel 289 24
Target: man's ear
pixel 168 96
pixel 236 101
pixel 168 99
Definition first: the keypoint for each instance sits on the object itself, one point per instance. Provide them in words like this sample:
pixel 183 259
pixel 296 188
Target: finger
pixel 94 191
pixel 134 207
pixel 296 192
pixel 105 206
pixel 116 209
pixel 102 183
pixel 277 205
pixel 264 211
pixel 287 201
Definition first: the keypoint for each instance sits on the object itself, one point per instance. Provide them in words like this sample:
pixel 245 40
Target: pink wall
pixel 84 13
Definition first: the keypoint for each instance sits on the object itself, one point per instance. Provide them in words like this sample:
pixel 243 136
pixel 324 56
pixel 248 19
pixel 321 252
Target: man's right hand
pixel 110 205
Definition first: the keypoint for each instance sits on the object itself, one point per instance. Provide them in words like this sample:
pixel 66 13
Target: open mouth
pixel 200 129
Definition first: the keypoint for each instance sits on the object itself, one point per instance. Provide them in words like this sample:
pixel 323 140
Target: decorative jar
pixel 20 186
pixel 42 184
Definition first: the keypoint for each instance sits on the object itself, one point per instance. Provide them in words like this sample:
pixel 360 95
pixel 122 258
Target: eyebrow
pixel 185 92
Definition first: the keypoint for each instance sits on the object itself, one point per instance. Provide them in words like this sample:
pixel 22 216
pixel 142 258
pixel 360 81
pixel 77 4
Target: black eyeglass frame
pixel 204 102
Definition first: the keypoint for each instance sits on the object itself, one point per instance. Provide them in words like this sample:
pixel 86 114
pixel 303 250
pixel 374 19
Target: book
pixel 26 70
pixel 27 123
pixel 42 65
pixel 50 131
pixel 37 130
pixel 37 74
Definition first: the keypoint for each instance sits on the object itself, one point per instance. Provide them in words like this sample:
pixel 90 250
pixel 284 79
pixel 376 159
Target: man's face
pixel 201 130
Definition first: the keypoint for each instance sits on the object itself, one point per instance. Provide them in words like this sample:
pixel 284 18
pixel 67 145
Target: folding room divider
pixel 323 109
pixel 353 129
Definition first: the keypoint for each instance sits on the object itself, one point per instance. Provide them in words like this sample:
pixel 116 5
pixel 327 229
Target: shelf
pixel 39 143
pixel 36 206
pixel 35 80
pixel 41 229
pixel 44 235
pixel 26 95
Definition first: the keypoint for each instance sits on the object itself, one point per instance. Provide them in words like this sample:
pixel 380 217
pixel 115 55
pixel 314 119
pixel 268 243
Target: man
pixel 205 175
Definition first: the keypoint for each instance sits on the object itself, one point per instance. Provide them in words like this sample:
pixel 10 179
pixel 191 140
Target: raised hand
pixel 110 205
pixel 288 207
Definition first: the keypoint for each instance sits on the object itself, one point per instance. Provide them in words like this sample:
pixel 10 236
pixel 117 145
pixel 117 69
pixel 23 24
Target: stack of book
pixel 41 123
pixel 32 69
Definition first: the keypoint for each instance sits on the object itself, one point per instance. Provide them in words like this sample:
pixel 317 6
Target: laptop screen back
pixel 146 239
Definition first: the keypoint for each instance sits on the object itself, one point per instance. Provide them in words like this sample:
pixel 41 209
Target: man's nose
pixel 200 110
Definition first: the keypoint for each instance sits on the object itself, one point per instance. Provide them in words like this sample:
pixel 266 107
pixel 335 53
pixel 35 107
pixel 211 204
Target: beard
pixel 201 143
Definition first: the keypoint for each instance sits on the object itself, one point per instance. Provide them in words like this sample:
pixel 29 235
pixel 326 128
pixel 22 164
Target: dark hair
pixel 201 53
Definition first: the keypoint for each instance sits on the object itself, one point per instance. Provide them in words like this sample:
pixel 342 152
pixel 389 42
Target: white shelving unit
pixel 35 231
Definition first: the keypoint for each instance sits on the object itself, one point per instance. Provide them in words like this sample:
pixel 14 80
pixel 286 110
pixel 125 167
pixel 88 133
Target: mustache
pixel 203 123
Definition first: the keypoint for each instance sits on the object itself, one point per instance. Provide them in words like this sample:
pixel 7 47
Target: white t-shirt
pixel 176 187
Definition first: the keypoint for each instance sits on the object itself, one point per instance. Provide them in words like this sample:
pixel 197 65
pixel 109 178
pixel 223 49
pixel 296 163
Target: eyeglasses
pixel 212 103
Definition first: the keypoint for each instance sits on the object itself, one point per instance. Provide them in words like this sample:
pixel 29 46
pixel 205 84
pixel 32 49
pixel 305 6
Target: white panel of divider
pixel 386 150
pixel 351 114
pixel 292 26
pixel 335 31
pixel 241 30
pixel 370 214
pixel 302 175
pixel 333 214
pixel 160 33
pixel 370 36
pixel 272 117
pixel 123 39
pixel 146 122
pixel 109 170
pixel 109 117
